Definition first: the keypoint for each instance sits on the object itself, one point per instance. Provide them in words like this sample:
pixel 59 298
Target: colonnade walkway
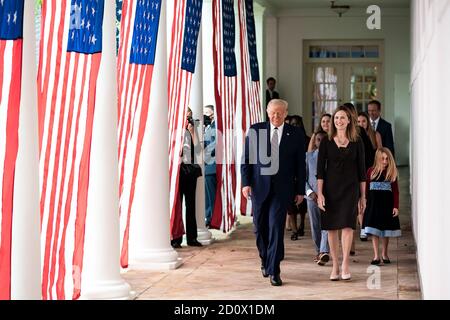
pixel 229 269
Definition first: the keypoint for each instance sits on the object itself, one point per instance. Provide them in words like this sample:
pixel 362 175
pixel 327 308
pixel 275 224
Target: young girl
pixel 381 214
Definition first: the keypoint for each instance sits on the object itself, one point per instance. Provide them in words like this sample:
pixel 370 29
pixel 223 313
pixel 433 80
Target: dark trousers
pixel 210 188
pixel 269 219
pixel 187 186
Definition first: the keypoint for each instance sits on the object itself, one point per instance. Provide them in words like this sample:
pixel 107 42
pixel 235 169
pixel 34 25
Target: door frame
pixel 309 61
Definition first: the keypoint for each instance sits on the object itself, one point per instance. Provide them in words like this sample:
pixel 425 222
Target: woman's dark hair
pixel 319 127
pixel 299 122
pixel 288 119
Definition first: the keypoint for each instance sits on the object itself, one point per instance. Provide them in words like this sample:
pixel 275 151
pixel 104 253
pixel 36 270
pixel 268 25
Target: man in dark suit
pixel 270 92
pixel 381 125
pixel 273 175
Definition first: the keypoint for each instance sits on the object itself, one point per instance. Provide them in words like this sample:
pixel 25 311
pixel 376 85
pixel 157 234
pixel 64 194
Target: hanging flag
pixel 138 38
pixel 225 91
pixel 119 4
pixel 11 33
pixel 69 60
pixel 183 52
pixel 250 84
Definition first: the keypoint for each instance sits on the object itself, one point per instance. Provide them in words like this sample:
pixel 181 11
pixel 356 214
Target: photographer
pixel 189 172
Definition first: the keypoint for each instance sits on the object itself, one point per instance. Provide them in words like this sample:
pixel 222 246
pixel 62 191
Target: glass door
pixel 325 89
pixel 362 84
pixel 330 85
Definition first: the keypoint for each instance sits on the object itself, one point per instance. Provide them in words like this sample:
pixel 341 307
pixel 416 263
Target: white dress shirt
pixel 280 132
pixel 376 123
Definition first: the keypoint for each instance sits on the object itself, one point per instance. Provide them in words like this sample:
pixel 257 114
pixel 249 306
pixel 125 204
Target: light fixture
pixel 339 9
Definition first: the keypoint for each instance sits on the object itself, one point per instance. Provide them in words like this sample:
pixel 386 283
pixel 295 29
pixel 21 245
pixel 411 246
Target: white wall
pixel 314 24
pixel 429 144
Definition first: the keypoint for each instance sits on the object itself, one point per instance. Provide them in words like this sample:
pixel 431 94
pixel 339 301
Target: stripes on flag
pixel 11 30
pixel 225 91
pixel 183 52
pixel 251 101
pixel 69 61
pixel 138 39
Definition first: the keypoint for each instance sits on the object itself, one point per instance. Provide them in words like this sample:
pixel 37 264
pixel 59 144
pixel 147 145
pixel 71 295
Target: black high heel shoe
pixel 294 236
pixel 375 262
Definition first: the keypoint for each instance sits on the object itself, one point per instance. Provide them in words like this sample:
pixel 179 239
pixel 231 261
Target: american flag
pixel 11 31
pixel 119 4
pixel 225 91
pixel 183 53
pixel 251 102
pixel 69 60
pixel 139 32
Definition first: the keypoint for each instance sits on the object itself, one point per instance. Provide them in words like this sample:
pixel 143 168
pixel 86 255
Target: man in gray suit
pixel 210 162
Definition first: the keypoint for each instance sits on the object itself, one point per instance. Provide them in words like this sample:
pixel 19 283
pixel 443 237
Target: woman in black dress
pixel 341 186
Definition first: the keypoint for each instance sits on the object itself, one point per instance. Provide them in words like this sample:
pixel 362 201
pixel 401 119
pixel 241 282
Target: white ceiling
pixel 295 4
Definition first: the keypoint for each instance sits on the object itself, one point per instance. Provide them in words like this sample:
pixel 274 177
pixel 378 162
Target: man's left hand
pixel 299 199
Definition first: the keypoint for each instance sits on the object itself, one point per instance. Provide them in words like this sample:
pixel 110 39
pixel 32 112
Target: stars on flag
pixel 229 40
pixel 251 38
pixel 86 23
pixel 11 19
pixel 191 31
pixel 146 24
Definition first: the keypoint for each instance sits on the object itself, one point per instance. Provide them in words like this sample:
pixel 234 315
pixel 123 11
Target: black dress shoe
pixel 276 280
pixel 176 245
pixel 194 244
pixel 264 272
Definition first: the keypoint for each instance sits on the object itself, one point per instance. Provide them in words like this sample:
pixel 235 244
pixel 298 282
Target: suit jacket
pixel 385 130
pixel 275 95
pixel 290 177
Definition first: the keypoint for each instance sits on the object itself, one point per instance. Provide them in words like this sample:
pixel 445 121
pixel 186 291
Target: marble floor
pixel 229 269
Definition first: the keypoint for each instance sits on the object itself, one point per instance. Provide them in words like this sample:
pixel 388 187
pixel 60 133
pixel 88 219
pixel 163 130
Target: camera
pixel 190 121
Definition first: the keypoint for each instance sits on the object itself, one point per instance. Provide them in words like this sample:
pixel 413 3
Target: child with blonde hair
pixel 381 215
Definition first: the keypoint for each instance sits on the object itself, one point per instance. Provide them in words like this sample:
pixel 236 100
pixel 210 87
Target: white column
pixel 25 255
pixel 101 270
pixel 149 230
pixel 204 235
pixel 208 62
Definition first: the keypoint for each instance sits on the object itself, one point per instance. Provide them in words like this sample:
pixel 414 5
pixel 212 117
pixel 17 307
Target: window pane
pixel 318 74
pixel 372 52
pixel 344 52
pixel 330 74
pixel 325 92
pixel 357 52
pixel 331 52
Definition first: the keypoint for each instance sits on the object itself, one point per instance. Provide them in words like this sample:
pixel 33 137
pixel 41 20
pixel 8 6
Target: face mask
pixel 206 120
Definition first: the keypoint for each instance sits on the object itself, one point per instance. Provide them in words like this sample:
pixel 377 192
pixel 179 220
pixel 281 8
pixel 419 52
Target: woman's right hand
pixel 321 201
